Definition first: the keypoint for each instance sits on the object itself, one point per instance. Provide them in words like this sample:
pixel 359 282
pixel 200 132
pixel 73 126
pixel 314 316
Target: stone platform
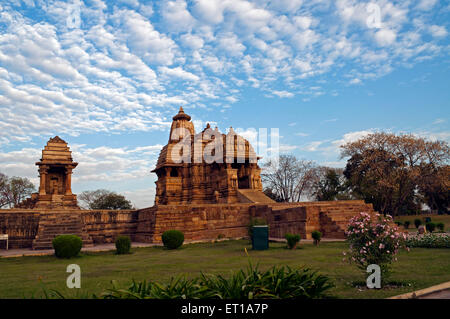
pixel 203 222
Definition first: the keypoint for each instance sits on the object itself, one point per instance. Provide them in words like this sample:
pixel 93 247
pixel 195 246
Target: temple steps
pixel 52 224
pixel 253 196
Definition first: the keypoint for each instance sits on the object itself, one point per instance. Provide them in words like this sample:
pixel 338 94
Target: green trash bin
pixel 260 238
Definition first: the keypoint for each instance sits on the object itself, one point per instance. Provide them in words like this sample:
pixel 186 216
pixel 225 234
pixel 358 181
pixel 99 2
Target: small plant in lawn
pixel 317 236
pixel 430 227
pixel 373 240
pixel 440 226
pixel 406 224
pixel 172 239
pixel 399 223
pixel 427 220
pixel 292 240
pixel 417 222
pixel 123 245
pixel 67 246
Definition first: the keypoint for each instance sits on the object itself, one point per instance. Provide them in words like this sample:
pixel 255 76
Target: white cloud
pixel 178 72
pixel 438 31
pixel 385 37
pixel 176 16
pixel 283 94
pixel 426 5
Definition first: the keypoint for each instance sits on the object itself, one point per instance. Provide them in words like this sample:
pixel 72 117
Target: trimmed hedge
pixel 292 240
pixel 172 239
pixel 67 246
pixel 417 222
pixel 430 226
pixel 123 245
pixel 317 236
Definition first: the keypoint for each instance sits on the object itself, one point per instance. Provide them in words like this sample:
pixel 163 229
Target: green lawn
pixel 434 218
pixel 26 276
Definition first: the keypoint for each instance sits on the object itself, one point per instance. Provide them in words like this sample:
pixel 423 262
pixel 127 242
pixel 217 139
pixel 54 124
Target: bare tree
pixel 289 178
pixel 3 190
pixel 14 190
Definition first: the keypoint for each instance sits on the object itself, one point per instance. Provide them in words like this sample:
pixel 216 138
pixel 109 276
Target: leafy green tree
pixel 397 173
pixel 332 186
pixel 104 199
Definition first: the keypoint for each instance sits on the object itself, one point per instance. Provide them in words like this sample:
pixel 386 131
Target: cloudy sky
pixel 107 76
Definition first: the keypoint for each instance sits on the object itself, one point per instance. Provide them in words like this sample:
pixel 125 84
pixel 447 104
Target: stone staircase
pixel 253 196
pixel 334 220
pixel 52 224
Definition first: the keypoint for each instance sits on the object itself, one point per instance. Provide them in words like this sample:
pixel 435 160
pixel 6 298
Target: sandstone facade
pixel 199 222
pixel 206 198
pixel 55 173
pixel 204 168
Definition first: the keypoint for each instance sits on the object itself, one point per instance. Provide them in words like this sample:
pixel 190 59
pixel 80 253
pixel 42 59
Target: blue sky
pixel 107 76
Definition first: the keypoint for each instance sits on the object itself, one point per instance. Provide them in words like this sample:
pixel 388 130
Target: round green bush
pixel 172 239
pixel 292 240
pixel 316 235
pixel 67 246
pixel 417 222
pixel 440 226
pixel 427 220
pixel 406 224
pixel 123 245
pixel 430 226
pixel 399 223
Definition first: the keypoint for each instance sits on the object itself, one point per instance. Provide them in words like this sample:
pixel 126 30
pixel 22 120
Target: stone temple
pixel 208 187
pixel 55 173
pixel 232 175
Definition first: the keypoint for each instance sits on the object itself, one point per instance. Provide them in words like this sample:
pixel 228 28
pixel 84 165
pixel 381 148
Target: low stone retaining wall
pixel 21 226
pixel 197 222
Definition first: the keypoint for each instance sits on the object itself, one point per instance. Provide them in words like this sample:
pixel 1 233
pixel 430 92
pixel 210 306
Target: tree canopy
pixel 397 173
pixel 14 190
pixel 104 199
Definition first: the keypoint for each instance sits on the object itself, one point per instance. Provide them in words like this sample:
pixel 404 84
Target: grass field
pixel 434 218
pixel 27 276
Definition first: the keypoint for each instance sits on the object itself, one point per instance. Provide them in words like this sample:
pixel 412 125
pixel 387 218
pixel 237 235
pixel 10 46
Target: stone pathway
pixel 107 247
pixel 441 291
pixel 47 252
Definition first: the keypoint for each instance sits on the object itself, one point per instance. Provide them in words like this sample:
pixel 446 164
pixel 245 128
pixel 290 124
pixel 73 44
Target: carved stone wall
pixel 201 222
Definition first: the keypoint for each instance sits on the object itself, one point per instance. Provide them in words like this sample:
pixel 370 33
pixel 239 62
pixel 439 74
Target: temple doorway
pixel 243 182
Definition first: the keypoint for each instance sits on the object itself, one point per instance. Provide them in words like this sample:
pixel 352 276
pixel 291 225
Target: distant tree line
pixel 396 173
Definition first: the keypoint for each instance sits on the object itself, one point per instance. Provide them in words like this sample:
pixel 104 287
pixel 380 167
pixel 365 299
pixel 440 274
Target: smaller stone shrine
pixel 55 172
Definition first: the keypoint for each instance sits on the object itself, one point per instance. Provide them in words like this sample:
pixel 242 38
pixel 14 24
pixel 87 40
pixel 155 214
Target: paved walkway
pixel 107 247
pixel 46 252
pixel 441 291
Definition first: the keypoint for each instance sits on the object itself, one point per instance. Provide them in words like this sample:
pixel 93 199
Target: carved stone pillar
pixel 43 170
pixel 68 185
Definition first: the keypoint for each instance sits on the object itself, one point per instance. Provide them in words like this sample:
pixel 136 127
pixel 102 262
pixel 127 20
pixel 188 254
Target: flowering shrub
pixel 373 240
pixel 429 241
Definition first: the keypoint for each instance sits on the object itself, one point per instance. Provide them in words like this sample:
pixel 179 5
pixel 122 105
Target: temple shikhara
pixel 208 186
pixel 189 178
